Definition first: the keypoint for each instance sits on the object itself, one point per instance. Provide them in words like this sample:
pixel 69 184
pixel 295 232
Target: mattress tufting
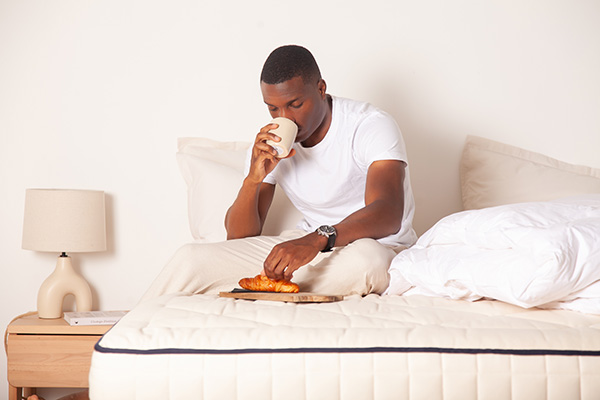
pixel 360 348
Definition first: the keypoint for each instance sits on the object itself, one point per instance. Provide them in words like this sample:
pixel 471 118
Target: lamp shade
pixel 63 220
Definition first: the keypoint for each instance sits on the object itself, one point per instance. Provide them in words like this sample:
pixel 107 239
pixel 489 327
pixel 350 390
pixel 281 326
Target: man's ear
pixel 322 87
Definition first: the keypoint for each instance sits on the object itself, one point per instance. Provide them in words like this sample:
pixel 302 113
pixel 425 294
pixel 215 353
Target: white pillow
pixel 214 171
pixel 527 254
pixel 494 173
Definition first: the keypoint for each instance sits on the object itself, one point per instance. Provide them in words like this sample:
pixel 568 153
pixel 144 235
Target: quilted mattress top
pixel 184 323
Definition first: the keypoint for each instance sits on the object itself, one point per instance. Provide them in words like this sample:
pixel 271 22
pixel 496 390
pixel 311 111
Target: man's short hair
pixel 287 62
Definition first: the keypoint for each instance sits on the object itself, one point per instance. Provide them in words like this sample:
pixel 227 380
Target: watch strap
pixel 330 243
pixel 330 233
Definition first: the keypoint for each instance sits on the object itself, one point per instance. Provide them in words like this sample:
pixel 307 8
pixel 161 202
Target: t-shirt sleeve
pixel 378 138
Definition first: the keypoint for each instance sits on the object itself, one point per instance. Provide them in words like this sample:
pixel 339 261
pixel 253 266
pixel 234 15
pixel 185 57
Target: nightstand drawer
pixel 50 360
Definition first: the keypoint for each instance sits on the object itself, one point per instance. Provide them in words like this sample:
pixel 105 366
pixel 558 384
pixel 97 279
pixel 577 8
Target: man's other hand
pixel 287 257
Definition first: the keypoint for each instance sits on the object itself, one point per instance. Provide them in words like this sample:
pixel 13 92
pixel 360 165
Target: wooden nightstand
pixel 48 353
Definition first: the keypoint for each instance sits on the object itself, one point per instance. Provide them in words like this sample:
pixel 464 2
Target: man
pixel 344 173
pixel 347 175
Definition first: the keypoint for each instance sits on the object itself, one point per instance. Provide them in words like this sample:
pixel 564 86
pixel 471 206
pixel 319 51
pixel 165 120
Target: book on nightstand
pixel 93 317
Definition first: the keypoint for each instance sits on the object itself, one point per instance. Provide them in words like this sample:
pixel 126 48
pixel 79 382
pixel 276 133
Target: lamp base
pixel 63 281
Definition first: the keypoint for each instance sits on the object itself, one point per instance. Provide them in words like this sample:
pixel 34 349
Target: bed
pixel 501 300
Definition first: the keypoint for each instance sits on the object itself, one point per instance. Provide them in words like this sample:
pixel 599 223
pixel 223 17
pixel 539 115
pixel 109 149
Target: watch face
pixel 327 229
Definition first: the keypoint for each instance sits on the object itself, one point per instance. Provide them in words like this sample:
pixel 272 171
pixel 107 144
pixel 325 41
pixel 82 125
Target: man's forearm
pixel 243 217
pixel 384 209
pixel 376 220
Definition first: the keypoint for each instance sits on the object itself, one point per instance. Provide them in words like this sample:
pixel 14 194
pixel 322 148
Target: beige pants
pixel 358 268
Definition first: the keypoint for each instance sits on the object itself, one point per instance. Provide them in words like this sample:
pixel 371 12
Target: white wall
pixel 93 94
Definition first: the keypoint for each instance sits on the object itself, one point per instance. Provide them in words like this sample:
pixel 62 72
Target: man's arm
pixel 384 205
pixel 381 217
pixel 247 214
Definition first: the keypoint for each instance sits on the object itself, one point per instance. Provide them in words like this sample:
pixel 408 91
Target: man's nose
pixel 285 114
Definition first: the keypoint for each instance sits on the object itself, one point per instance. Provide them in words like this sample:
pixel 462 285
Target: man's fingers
pixel 276 264
pixel 289 273
pixel 264 134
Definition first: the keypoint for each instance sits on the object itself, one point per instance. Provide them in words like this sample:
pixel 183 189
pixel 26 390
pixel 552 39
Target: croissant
pixel 262 283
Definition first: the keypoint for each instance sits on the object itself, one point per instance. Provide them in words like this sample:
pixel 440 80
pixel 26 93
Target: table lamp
pixel 61 221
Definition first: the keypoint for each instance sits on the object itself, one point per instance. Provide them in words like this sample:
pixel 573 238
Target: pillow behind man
pixel 213 172
pixel 494 173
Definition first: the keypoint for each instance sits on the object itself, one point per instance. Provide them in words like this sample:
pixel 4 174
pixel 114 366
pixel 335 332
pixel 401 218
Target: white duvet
pixel 541 254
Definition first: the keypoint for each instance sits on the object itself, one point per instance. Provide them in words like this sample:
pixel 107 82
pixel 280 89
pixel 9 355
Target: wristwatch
pixel 330 233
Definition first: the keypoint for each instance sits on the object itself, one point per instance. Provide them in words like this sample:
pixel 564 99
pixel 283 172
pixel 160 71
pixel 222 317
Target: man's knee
pixel 370 255
pixel 370 260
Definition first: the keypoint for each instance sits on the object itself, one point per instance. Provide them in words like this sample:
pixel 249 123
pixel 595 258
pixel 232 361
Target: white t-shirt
pixel 327 182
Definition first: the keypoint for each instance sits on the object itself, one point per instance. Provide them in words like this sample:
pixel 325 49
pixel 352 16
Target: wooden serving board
pixel 301 297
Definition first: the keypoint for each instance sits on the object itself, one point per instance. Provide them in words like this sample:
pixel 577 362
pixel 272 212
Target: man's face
pixel 304 103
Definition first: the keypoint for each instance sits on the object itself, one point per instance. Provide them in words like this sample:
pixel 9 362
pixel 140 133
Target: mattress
pixel 374 347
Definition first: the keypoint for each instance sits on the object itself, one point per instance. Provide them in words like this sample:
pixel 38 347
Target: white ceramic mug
pixel 287 131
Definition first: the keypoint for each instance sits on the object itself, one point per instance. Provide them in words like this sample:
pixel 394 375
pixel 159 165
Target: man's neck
pixel 323 128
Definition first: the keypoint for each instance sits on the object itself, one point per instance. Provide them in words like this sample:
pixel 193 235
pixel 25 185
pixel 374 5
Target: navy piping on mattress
pixel 519 352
